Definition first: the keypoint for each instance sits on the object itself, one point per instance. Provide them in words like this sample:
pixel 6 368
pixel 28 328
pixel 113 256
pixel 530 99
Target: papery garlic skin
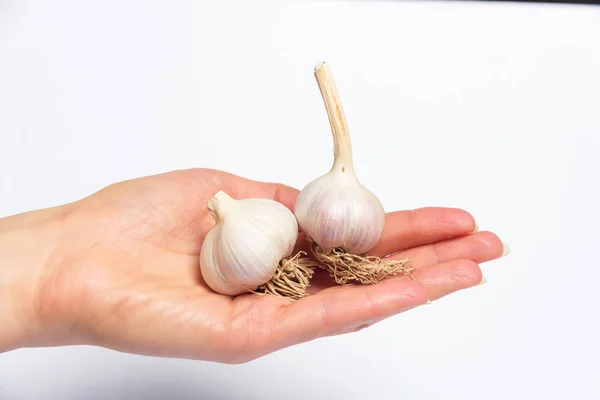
pixel 335 210
pixel 250 238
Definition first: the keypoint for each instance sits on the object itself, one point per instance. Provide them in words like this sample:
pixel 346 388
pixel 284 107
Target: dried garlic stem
pixel 346 268
pixel 342 148
pixel 291 278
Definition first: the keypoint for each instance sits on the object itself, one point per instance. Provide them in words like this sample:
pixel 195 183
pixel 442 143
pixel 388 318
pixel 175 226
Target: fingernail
pixel 428 301
pixel 505 249
pixel 483 280
pixel 476 229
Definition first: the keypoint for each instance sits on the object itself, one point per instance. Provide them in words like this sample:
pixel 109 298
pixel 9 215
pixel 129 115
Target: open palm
pixel 129 278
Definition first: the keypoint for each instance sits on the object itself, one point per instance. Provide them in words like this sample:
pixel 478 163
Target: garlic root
pixel 346 268
pixel 291 278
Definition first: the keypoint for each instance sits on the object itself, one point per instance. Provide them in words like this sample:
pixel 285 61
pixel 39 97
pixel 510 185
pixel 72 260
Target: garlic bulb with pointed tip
pixel 250 239
pixel 336 210
pixel 340 215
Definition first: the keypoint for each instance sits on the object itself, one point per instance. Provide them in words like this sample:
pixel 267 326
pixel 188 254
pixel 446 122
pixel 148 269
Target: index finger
pixel 407 229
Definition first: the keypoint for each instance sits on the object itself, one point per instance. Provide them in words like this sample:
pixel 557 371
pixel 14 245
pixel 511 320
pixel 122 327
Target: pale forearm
pixel 27 242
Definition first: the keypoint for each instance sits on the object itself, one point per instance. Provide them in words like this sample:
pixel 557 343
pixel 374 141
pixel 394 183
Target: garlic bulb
pixel 250 238
pixel 336 210
pixel 341 216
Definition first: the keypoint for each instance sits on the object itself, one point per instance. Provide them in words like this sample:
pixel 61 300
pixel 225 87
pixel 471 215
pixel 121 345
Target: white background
pixel 491 107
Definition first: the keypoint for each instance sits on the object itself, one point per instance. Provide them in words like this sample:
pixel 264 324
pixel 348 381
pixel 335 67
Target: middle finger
pixel 479 247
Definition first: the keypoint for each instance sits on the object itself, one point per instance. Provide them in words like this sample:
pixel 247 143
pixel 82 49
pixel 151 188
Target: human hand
pixel 120 269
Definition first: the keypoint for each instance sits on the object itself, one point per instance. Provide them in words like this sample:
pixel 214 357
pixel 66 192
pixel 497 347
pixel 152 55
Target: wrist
pixel 28 242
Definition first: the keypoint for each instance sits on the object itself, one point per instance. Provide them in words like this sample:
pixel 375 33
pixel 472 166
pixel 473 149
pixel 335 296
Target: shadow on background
pixel 9 13
pixel 592 2
pixel 538 1
pixel 156 380
pixel 154 388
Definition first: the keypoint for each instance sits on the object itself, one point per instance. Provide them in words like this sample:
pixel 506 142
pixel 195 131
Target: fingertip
pixel 472 273
pixel 490 245
pixel 465 220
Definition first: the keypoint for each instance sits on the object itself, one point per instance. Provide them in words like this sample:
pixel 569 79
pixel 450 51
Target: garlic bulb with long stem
pixel 341 216
pixel 250 249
